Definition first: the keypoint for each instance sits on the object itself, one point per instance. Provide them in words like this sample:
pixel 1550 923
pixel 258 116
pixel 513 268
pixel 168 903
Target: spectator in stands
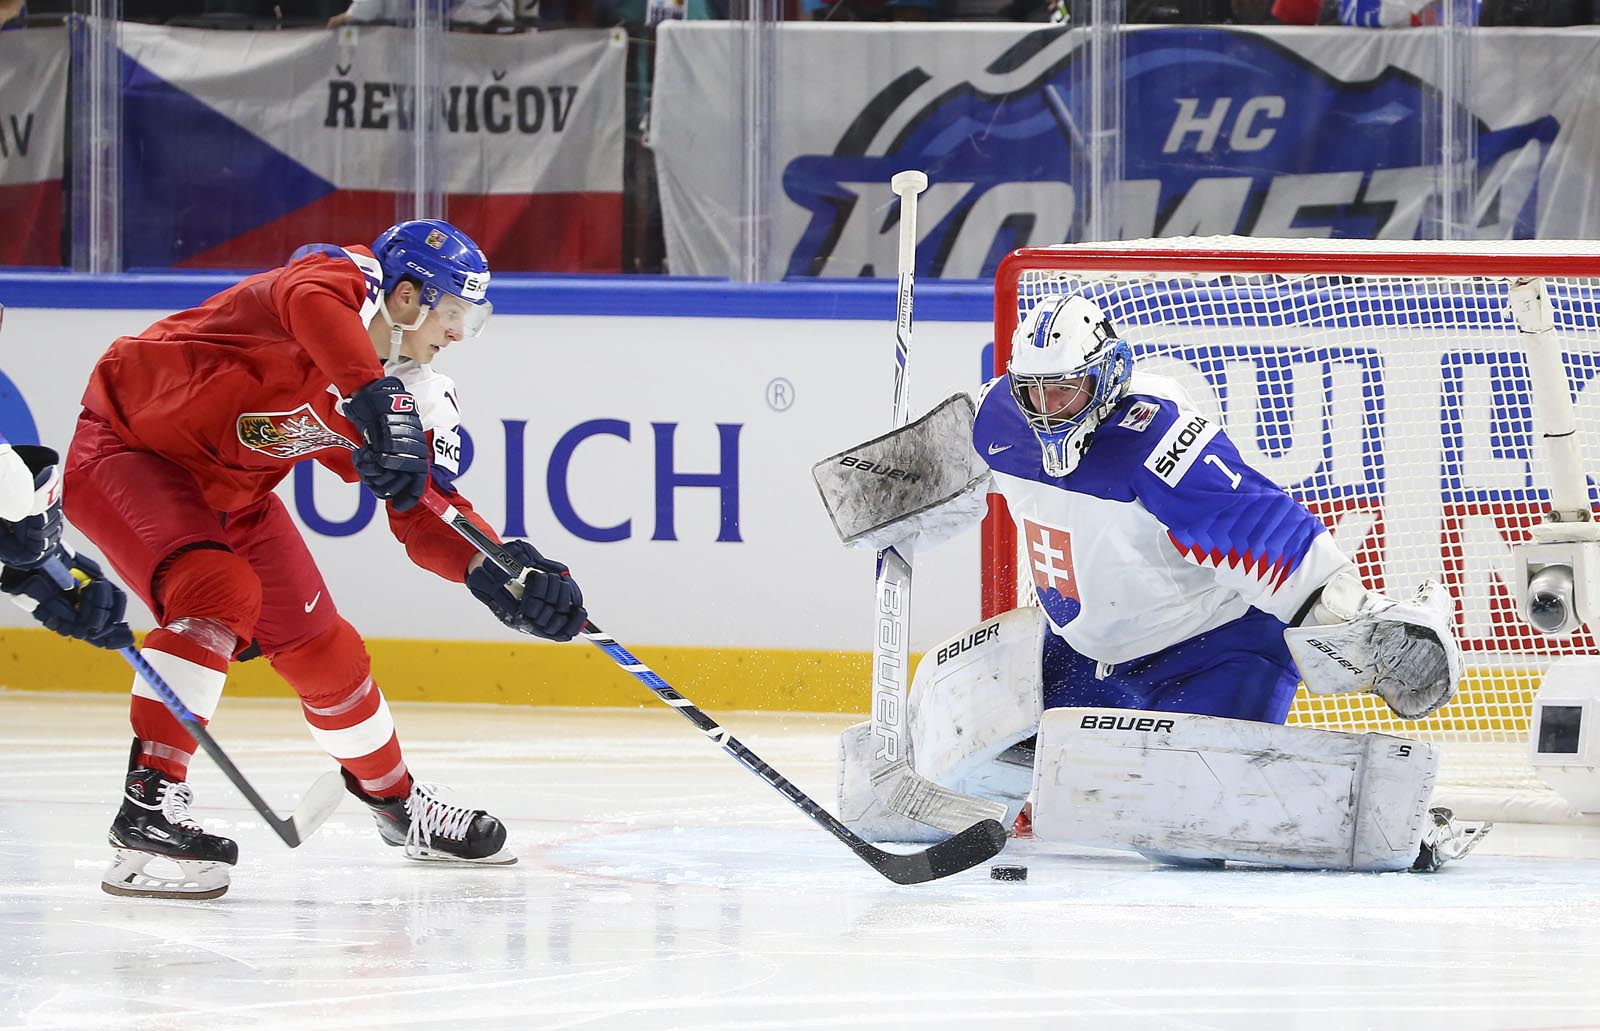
pixel 464 14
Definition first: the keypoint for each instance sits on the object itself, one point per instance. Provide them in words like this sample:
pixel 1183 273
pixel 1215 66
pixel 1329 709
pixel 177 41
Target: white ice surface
pixel 662 886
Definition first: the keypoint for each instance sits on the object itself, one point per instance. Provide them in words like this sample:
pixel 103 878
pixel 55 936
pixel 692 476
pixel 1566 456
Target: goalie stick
pixel 973 845
pixel 319 801
pixel 895 783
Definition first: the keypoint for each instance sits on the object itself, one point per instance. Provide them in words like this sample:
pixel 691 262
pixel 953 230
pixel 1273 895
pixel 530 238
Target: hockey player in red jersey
pixel 188 427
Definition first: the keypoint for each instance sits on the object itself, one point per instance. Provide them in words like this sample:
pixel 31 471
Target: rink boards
pixel 658 436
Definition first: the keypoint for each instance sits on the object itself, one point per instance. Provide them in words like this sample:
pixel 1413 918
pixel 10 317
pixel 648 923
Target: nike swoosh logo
pixel 995 449
pixel 313 602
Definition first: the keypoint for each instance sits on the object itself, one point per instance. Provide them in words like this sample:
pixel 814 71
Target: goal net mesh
pixel 1385 387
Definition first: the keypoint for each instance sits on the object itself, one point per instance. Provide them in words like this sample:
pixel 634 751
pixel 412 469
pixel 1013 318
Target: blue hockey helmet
pixel 451 269
pixel 1068 370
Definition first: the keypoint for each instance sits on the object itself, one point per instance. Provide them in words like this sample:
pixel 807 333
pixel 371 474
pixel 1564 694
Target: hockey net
pixel 1384 385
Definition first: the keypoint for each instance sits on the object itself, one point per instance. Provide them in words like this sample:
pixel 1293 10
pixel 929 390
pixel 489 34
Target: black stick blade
pixel 978 843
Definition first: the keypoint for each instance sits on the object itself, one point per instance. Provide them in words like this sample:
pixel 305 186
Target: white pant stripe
pixel 364 738
pixel 198 687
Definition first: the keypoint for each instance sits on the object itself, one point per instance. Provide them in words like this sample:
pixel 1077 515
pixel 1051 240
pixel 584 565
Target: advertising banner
pixel 670 468
pixel 33 112
pixel 1260 132
pixel 240 147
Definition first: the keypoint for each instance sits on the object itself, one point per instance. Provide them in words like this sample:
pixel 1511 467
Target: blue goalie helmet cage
pixel 435 253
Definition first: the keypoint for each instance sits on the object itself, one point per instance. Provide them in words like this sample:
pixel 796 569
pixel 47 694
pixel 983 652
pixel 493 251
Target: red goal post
pixel 1382 383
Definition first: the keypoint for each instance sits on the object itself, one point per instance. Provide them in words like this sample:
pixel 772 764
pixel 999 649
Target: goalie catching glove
pixel 544 602
pixel 1358 640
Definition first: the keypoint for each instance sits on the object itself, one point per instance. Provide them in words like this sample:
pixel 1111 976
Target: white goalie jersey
pixel 1161 532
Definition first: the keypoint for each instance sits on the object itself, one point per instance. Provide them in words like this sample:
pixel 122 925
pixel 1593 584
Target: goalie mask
pixel 1068 370
pixel 452 271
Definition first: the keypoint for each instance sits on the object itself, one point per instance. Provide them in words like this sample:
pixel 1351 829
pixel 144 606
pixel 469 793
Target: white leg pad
pixel 974 699
pixel 1171 785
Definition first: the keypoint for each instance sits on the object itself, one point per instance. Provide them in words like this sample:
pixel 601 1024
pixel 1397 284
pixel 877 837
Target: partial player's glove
pixel 29 541
pixel 90 610
pixel 393 462
pixel 547 603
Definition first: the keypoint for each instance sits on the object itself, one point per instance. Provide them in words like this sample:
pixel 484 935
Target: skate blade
pixel 162 893
pixel 127 877
pixel 426 855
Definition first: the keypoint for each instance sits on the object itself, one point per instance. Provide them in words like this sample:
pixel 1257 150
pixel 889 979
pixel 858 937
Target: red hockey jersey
pixel 240 389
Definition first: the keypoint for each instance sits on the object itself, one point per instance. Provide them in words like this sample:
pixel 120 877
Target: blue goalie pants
pixel 1241 670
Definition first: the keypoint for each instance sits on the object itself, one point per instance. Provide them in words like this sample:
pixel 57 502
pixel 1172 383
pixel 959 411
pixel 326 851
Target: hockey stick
pixel 974 845
pixel 894 782
pixel 319 801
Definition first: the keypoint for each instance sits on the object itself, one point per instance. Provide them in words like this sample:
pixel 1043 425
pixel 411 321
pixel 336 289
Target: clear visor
pixel 461 317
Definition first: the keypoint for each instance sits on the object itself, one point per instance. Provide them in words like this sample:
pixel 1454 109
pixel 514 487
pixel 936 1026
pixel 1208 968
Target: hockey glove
pixel 393 461
pixel 31 540
pixel 547 603
pixel 91 610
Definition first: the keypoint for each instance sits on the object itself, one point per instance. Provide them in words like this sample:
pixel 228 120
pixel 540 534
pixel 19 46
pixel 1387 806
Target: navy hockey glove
pixel 393 461
pixel 91 610
pixel 550 606
pixel 28 542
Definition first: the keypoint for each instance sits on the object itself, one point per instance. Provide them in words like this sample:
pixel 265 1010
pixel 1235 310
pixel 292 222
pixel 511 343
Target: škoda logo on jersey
pixel 288 435
pixel 1178 448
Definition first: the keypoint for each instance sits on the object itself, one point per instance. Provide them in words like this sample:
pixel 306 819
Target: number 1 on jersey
pixel 1233 478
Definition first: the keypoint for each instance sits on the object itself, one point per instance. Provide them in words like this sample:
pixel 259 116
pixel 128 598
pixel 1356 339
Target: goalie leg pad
pixel 1206 788
pixel 974 703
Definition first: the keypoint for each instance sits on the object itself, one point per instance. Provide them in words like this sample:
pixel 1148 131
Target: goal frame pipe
pixel 998 538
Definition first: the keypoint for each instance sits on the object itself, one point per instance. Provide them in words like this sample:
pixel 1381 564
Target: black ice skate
pixel 154 825
pixel 435 830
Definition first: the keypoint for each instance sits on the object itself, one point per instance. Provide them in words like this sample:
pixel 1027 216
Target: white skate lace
pixel 175 799
pixel 437 818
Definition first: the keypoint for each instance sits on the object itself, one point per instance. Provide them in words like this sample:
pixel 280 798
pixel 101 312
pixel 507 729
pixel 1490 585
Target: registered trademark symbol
pixel 780 394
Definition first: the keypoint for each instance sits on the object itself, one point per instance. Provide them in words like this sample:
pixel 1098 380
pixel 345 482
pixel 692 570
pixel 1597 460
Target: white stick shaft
pixel 906 185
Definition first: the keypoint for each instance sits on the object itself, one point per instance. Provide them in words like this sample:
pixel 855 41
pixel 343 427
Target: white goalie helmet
pixel 1068 370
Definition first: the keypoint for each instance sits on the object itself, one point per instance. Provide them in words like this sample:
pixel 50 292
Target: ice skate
pixel 1446 839
pixel 154 826
pixel 433 829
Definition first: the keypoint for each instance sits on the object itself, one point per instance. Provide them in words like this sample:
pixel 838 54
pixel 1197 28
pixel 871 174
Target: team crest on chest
pixel 1049 553
pixel 288 435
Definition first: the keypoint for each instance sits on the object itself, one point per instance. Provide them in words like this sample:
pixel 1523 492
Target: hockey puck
pixel 1008 873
